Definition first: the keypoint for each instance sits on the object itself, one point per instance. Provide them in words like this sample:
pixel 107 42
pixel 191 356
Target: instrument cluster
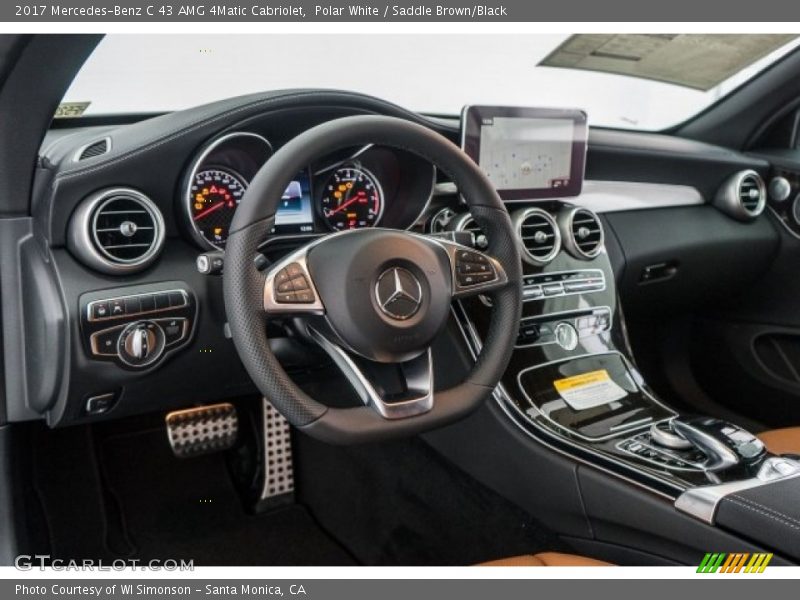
pixel 350 189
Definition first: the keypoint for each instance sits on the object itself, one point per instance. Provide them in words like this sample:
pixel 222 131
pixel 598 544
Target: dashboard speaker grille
pixel 538 234
pixel 586 232
pixel 97 148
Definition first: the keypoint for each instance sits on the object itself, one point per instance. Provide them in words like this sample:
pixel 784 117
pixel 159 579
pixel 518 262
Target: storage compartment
pixel 595 397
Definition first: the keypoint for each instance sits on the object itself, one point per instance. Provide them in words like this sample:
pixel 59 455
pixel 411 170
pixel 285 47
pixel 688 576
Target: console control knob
pixel 566 336
pixel 141 344
pixel 779 189
pixel 663 435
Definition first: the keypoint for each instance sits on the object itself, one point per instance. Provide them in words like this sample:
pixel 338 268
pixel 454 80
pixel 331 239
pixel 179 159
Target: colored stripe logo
pixel 737 562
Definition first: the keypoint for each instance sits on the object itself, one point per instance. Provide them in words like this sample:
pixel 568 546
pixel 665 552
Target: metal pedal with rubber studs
pixel 202 430
pixel 278 464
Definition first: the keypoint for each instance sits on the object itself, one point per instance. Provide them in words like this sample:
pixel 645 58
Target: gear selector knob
pixel 726 445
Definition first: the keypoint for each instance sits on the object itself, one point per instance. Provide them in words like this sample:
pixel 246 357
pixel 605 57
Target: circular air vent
pixel 465 222
pixel 539 237
pixel 743 196
pixel 582 232
pixel 117 231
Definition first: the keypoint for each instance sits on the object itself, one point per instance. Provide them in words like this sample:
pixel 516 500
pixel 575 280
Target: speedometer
pixel 352 198
pixel 214 196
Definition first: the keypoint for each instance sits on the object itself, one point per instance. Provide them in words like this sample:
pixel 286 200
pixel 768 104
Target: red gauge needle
pixel 346 204
pixel 209 210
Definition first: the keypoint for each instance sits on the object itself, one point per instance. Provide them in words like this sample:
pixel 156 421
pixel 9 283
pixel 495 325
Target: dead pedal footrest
pixel 202 430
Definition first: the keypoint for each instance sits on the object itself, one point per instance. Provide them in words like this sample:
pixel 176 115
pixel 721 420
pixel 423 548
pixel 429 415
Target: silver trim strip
pixel 421 379
pixel 615 196
pixel 702 502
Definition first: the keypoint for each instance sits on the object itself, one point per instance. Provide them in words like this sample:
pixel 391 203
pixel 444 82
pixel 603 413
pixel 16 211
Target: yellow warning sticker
pixel 589 390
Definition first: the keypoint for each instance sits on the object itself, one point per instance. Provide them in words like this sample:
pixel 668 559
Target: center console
pixel 572 383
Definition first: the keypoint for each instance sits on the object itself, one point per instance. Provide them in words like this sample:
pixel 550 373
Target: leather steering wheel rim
pixel 244 283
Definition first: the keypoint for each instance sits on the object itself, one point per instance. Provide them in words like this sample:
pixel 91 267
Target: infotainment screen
pixel 527 153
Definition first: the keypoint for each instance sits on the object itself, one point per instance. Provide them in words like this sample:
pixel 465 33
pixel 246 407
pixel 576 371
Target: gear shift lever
pixel 726 445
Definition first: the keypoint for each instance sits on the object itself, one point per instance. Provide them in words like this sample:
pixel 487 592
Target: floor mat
pixel 401 503
pixel 188 508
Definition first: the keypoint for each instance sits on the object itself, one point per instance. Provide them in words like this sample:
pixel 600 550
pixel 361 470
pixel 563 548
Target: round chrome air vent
pixel 582 232
pixel 743 195
pixel 117 231
pixel 538 234
pixel 465 222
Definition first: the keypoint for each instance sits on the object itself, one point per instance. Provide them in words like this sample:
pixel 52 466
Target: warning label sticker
pixel 589 390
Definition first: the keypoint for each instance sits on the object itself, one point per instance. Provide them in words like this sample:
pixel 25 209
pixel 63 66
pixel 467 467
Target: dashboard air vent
pixel 97 148
pixel 742 196
pixel 466 222
pixel 538 234
pixel 583 232
pixel 750 194
pixel 117 231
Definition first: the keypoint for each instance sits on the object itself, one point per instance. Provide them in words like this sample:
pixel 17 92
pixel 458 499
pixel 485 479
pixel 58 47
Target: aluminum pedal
pixel 278 466
pixel 202 430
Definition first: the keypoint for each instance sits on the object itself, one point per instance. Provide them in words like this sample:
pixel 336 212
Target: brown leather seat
pixel 546 559
pixel 782 441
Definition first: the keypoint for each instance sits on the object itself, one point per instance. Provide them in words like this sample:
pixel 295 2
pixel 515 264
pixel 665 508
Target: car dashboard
pixel 125 213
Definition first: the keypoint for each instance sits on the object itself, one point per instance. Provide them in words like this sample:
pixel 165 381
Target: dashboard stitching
pixel 69 174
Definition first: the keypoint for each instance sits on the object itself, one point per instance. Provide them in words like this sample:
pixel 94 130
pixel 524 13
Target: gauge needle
pixel 348 203
pixel 209 210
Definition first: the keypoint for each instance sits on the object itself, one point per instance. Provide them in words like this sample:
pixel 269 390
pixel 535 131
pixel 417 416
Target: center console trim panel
pixel 642 424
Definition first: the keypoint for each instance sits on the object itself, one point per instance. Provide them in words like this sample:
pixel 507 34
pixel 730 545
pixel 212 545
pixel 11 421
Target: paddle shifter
pixel 725 445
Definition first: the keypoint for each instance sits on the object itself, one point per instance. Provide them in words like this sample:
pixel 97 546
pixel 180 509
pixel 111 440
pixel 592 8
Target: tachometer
pixel 214 196
pixel 352 198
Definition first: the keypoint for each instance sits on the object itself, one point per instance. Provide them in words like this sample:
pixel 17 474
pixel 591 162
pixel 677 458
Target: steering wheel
pixel 374 299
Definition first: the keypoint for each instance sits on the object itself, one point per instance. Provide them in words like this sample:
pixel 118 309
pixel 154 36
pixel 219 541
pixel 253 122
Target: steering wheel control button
pixel 398 293
pixel 566 336
pixel 300 283
pixel 291 286
pixel 473 268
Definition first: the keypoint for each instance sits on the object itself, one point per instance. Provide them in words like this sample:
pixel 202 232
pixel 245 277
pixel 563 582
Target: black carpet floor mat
pixel 188 508
pixel 401 503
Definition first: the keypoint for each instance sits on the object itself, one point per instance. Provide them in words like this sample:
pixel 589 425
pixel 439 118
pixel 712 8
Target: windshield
pixel 647 82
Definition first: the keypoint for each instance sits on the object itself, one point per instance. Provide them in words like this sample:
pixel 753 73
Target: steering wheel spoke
pixel 393 390
pixel 289 288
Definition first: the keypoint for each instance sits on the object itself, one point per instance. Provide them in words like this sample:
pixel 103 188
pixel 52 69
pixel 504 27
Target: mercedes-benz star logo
pixel 399 293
